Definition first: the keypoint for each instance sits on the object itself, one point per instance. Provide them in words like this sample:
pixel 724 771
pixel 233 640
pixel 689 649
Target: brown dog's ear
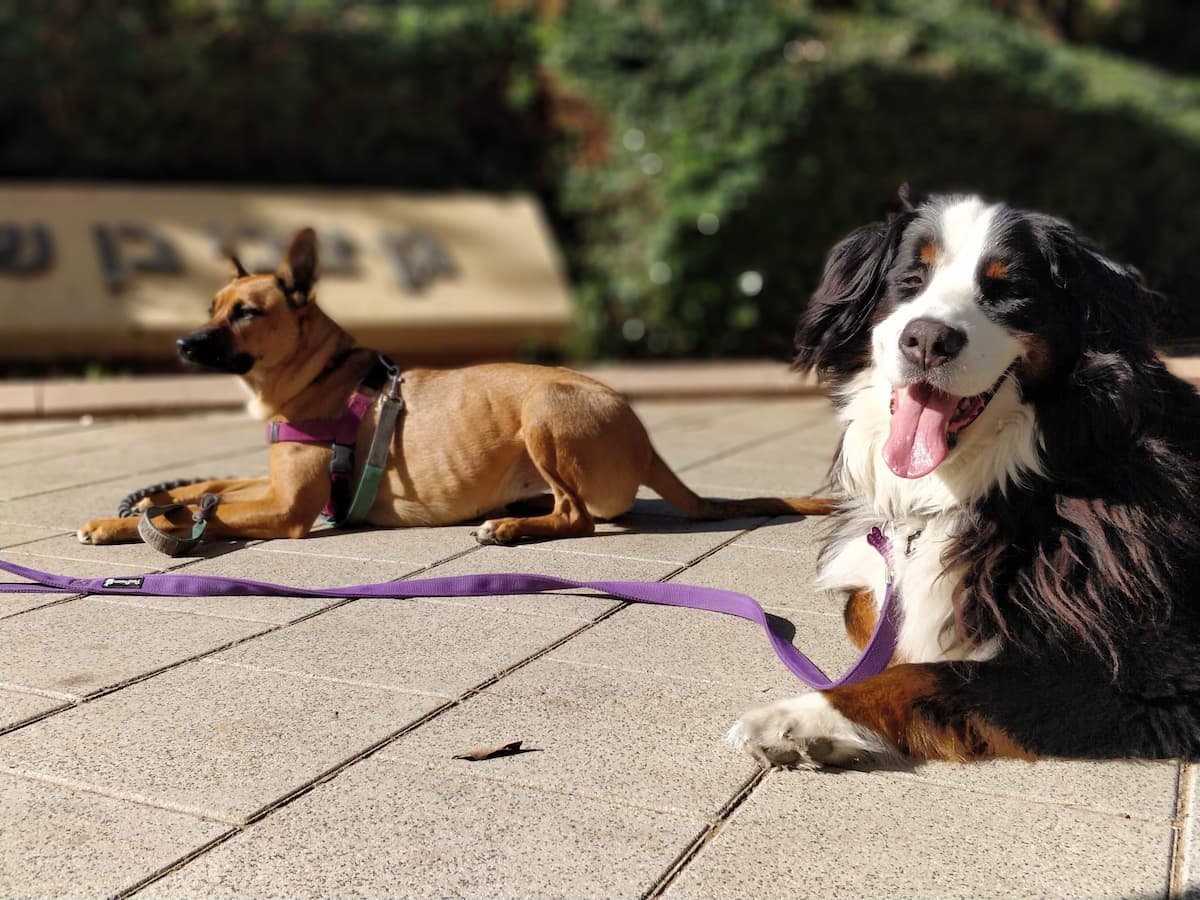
pixel 297 272
pixel 239 271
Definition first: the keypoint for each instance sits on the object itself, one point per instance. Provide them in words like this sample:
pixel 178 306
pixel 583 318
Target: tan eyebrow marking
pixel 995 268
pixel 928 253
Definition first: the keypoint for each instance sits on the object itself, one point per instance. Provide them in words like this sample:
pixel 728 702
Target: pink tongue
pixel 916 441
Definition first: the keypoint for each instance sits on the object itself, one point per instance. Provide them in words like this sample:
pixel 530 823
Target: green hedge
pixel 787 128
pixel 424 95
pixel 697 158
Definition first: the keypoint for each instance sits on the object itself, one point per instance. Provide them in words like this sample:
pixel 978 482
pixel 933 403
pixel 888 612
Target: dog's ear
pixel 297 272
pixel 1110 319
pixel 1111 307
pixel 236 267
pixel 834 334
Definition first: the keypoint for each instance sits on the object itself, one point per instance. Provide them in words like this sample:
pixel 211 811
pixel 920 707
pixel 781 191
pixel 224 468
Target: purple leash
pixel 873 659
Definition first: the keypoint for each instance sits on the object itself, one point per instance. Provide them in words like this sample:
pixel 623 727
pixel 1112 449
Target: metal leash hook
pixel 883 544
pixel 395 380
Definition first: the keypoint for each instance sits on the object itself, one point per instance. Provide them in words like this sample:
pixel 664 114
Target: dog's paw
pixel 108 531
pixel 491 532
pixel 804 732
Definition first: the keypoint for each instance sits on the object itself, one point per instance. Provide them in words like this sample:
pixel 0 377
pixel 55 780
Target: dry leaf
pixel 489 751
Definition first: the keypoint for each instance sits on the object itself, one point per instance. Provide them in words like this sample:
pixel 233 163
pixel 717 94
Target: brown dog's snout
pixel 212 348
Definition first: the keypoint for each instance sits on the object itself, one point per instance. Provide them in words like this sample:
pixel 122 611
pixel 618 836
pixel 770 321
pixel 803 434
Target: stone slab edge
pixel 160 394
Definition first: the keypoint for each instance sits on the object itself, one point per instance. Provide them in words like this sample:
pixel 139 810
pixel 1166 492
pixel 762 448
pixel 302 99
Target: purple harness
pixel 341 434
pixel 873 659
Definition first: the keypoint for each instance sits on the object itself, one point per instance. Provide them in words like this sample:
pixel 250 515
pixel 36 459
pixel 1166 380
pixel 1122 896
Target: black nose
pixel 192 346
pixel 927 343
pixel 206 347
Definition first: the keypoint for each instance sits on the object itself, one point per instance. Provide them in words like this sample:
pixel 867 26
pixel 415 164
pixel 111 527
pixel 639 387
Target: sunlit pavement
pixel 297 747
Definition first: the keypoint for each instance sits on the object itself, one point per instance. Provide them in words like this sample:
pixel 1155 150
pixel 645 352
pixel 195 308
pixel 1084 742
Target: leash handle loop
pixel 167 543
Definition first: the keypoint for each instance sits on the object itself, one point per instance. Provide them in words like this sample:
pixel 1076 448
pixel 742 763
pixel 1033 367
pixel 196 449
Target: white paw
pixel 804 732
pixel 84 536
pixel 486 533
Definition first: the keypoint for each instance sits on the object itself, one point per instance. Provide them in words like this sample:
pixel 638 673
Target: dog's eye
pixel 240 312
pixel 913 280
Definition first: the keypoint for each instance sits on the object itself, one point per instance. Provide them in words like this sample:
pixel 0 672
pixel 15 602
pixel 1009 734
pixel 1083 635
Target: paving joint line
pixel 48 603
pixel 125 475
pixel 331 773
pixel 705 837
pixel 1178 874
pixel 45 537
pixel 745 445
pixel 144 676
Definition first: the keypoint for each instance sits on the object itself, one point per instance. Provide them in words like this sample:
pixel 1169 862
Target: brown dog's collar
pixel 335 362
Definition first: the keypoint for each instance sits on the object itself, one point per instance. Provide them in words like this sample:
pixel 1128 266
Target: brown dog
pixel 470 440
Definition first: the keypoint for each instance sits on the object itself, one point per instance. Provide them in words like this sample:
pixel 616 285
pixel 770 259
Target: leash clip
pixel 395 378
pixel 883 545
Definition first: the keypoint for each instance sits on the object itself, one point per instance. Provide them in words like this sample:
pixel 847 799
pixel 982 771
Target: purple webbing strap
pixel 873 659
pixel 319 431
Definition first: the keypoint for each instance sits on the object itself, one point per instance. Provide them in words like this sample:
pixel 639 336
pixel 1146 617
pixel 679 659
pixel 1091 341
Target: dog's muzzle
pixel 212 348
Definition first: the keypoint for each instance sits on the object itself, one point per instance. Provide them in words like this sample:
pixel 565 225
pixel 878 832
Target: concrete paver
pixel 14 535
pixel 60 842
pixel 17 706
pixel 75 649
pixel 318 741
pixel 852 834
pixel 217 741
pixel 401 644
pixel 585 727
pixel 694 645
pixel 67 507
pixel 405 828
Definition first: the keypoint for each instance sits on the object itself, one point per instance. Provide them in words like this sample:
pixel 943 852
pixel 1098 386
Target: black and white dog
pixel 1006 416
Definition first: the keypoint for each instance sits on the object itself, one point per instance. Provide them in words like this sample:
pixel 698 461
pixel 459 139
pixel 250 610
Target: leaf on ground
pixel 489 751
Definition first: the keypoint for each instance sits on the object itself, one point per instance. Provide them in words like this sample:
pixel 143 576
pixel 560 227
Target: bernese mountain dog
pixel 1007 419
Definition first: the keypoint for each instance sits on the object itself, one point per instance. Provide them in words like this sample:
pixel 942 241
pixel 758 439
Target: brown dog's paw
pixel 491 532
pixel 108 531
pixel 486 533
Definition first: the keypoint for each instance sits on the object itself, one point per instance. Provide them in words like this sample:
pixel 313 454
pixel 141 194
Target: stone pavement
pixel 292 747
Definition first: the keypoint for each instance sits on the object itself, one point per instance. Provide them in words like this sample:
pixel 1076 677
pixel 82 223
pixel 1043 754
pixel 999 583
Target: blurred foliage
pixel 697 158
pixel 1163 32
pixel 425 94
pixel 785 125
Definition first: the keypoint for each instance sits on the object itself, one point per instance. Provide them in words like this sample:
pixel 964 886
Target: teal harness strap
pixel 391 404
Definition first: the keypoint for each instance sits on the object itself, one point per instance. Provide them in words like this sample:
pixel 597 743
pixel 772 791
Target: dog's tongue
pixel 916 441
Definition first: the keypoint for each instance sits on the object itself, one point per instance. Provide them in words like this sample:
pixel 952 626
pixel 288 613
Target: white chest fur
pixel 925 588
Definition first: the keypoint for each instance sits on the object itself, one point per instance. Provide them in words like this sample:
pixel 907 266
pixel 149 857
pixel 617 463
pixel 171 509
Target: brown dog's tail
pixel 667 485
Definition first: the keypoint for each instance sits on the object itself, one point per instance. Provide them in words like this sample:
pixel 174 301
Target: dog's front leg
pixel 122 530
pixel 920 711
pixel 225 488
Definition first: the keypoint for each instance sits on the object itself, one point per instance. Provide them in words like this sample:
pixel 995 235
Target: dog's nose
pixel 927 343
pixel 188 345
pixel 201 346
